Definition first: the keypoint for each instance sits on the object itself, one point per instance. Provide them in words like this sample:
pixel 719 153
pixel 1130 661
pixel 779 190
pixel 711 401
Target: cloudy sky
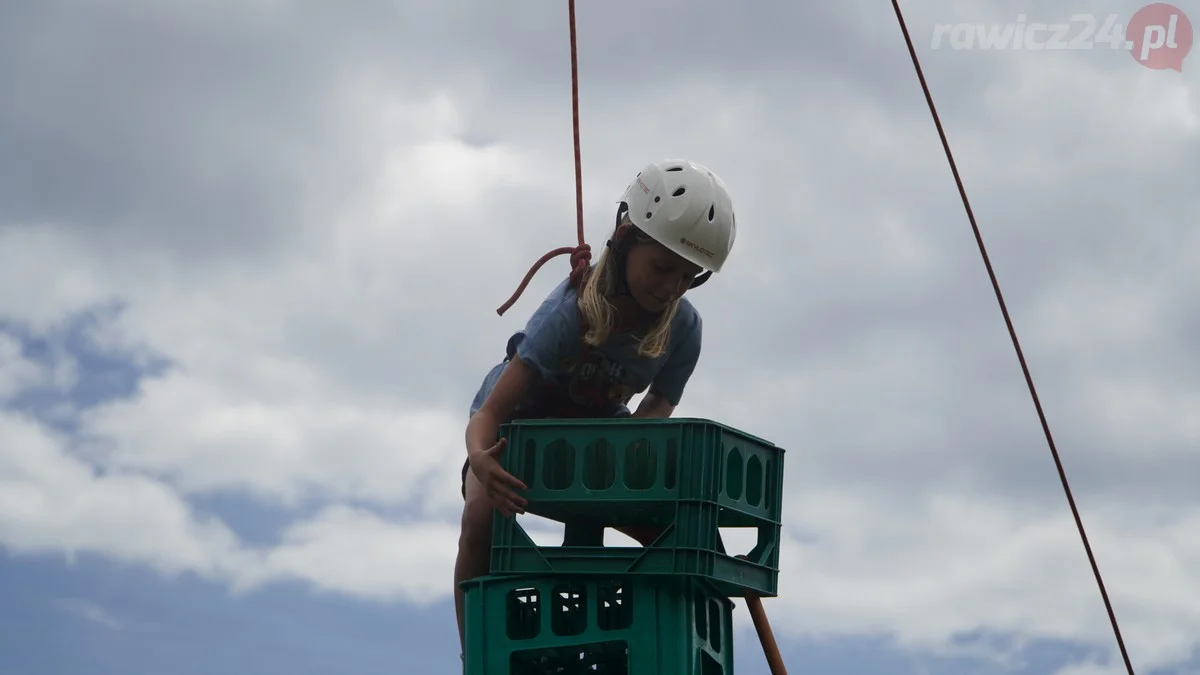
pixel 250 255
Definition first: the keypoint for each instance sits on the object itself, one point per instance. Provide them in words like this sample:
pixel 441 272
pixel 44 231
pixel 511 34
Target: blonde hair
pixel 599 315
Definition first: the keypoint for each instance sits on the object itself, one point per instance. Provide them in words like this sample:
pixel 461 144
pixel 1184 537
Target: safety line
pixel 581 254
pixel 1062 474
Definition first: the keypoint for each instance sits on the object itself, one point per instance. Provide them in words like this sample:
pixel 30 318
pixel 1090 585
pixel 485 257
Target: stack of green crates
pixel 664 609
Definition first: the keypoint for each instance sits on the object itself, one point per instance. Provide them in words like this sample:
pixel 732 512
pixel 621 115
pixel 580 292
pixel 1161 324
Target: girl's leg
pixel 474 543
pixel 475 536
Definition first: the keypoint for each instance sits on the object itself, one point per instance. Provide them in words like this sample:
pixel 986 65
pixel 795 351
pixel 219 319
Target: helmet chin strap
pixel 619 245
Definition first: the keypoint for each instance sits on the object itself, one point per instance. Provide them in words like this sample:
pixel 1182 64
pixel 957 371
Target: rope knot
pixel 581 258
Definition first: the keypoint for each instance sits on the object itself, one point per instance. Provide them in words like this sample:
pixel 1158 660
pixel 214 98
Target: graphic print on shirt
pixel 597 383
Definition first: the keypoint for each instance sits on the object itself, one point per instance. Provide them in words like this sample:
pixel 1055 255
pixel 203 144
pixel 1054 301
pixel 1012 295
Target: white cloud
pixel 51 502
pixel 92 612
pixel 206 434
pixel 47 273
pixel 357 553
pixel 951 564
pixel 17 373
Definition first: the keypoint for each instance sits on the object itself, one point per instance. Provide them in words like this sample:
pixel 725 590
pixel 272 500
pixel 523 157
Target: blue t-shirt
pixel 600 382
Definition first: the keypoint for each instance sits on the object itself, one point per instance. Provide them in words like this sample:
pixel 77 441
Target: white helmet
pixel 686 208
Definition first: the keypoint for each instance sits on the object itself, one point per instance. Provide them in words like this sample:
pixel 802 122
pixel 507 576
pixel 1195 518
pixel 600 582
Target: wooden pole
pixel 765 636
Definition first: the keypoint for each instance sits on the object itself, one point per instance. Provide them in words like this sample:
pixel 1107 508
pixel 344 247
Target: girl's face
pixel 656 276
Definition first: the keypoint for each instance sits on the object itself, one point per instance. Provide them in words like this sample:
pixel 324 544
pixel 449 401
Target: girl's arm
pixel 484 425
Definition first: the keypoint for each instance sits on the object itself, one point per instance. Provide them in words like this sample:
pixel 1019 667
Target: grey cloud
pixel 210 129
pixel 203 129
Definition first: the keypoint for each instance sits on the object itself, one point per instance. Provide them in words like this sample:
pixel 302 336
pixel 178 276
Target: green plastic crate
pixel 631 471
pixel 596 625
pixel 689 545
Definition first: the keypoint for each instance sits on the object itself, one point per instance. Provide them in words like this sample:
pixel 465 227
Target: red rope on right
pixel 581 254
pixel 1062 474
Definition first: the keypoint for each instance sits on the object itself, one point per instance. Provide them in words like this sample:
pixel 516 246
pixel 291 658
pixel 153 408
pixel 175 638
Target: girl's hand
pixel 499 485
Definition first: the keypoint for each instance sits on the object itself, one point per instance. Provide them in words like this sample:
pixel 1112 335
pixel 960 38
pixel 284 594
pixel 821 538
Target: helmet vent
pixel 679 192
pixel 712 212
pixel 675 168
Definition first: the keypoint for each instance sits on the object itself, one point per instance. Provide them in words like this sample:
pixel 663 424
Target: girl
pixel 591 346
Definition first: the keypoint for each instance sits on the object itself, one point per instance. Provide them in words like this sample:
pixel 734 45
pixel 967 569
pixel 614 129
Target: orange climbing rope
pixel 1062 474
pixel 581 254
